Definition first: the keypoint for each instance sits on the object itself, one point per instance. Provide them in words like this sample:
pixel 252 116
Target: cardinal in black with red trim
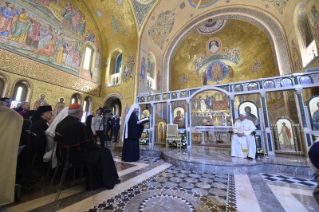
pixel 99 162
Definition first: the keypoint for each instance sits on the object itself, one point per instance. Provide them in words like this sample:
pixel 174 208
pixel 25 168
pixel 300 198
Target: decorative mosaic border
pixel 231 195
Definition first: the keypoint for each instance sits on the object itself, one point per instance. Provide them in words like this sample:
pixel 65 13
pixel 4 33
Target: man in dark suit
pixel 109 127
pixel 116 127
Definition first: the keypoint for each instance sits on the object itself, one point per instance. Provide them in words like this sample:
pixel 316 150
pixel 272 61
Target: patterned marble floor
pixel 152 184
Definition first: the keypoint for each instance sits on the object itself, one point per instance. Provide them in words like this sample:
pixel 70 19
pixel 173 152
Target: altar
pixel 214 129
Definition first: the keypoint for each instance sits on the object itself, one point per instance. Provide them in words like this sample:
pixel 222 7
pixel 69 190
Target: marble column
pixel 232 105
pixel 305 129
pixel 269 143
pixel 152 125
pixel 188 124
pixel 169 109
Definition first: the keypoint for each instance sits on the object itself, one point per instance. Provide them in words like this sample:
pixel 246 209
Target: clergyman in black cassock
pixel 132 132
pixel 99 162
pixel 39 126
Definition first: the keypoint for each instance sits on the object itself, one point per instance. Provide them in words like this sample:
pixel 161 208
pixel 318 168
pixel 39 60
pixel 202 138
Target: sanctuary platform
pixel 218 160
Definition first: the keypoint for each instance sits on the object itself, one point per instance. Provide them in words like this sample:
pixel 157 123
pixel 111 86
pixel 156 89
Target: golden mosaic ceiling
pixel 243 42
pixel 115 21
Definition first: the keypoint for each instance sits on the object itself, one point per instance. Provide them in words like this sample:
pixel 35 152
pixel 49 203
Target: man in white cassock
pixel 243 143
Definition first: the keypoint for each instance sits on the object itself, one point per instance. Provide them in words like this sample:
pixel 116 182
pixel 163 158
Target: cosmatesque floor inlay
pixel 173 189
pixel 290 180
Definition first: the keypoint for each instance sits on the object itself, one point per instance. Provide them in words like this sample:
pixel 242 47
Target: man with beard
pixel 71 133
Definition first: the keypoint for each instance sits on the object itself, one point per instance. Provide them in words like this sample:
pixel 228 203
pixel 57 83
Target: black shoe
pixel 117 181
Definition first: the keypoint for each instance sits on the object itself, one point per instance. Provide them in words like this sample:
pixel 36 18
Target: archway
pixel 266 23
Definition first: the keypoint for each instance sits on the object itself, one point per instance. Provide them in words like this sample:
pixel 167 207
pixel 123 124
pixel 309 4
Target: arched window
pixel 88 61
pixel 307 50
pixel 20 92
pixel 150 71
pixel 304 26
pixel 116 67
pixel 118 64
pixel 87 107
pixel 76 98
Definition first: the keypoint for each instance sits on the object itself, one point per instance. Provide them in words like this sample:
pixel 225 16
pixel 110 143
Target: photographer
pixel 97 127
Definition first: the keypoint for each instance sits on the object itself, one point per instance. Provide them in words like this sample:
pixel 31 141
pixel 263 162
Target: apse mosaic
pixel 162 27
pixel 211 27
pixel 213 46
pixel 217 71
pixel 52 32
pixel 199 4
pixel 229 54
pixel 269 28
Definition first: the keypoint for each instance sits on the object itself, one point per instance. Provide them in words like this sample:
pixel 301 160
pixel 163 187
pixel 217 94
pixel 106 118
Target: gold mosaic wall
pixel 249 40
pixel 17 64
pixel 283 14
pixel 52 92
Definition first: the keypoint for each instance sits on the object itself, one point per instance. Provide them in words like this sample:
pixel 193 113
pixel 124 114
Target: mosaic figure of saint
pixel 183 79
pixel 58 107
pixel 143 70
pixel 296 57
pixel 179 120
pixel 213 47
pixel 286 134
pixel 315 118
pixel 40 102
pixel 252 117
pixel 199 106
pixel 205 77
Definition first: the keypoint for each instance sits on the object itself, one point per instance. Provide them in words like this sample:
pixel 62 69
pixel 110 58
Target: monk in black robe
pixel 70 132
pixel 39 126
pixel 133 129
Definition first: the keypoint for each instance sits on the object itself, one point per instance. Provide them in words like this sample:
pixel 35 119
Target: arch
pixel 76 98
pixel 88 60
pixel 29 87
pixel 4 85
pixel 265 22
pixel 269 84
pixel 208 88
pixel 116 94
pixel 115 66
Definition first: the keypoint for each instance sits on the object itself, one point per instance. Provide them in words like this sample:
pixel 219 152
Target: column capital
pixel 298 90
pixel 262 93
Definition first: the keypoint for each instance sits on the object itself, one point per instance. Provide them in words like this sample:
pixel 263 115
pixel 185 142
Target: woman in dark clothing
pixel 133 129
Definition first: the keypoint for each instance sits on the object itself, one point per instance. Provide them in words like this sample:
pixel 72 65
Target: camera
pixel 105 110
